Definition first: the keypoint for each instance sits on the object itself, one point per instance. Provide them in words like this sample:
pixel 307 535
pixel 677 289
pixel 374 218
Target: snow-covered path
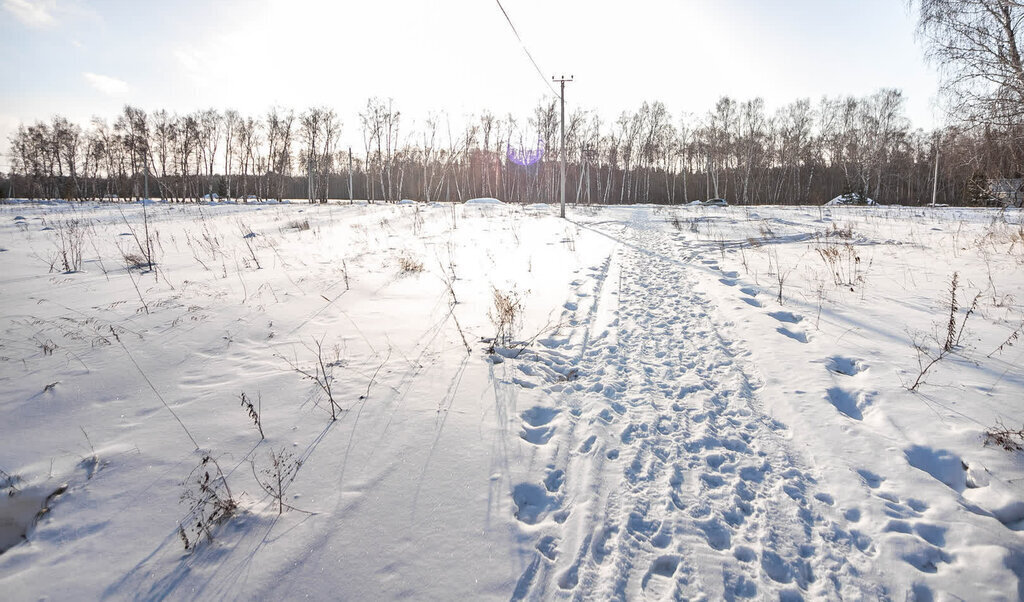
pixel 663 475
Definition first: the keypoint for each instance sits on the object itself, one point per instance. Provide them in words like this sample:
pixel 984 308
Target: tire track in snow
pixel 669 480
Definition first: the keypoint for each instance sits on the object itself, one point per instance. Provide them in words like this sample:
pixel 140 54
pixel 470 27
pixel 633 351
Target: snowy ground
pixel 661 426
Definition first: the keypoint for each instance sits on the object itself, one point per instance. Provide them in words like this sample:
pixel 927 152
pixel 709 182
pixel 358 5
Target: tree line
pixel 802 153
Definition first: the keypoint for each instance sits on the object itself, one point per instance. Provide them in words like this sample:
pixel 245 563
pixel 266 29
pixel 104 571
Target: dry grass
pixel 1006 438
pixel 408 265
pixel 506 315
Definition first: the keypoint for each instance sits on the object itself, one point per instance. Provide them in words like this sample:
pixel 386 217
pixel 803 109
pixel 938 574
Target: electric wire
pixel 525 49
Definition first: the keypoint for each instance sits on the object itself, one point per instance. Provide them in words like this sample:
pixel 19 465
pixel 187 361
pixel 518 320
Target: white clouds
pixel 111 86
pixel 34 13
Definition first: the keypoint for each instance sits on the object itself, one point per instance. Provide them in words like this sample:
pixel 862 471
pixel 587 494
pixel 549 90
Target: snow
pixel 484 201
pixel 852 198
pixel 662 426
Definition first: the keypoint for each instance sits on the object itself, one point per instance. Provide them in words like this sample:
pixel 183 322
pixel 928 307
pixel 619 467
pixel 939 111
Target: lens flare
pixel 524 156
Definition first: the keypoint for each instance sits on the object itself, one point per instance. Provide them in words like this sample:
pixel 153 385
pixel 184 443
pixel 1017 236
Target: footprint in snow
pixel 786 316
pixel 845 365
pixel 933 534
pixel 588 445
pixel 663 566
pixel 744 554
pixel 537 436
pixel 532 503
pixel 539 416
pixel 943 465
pixel 847 402
pixel 537 427
pixel 924 556
pixel 548 546
pixel 871 479
pixel 553 482
pixel 796 335
pixel 751 301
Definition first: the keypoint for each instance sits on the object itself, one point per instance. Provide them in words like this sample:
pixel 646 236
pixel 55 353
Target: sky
pixel 80 58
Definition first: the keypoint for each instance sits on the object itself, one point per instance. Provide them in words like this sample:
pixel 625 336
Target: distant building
pixel 1008 192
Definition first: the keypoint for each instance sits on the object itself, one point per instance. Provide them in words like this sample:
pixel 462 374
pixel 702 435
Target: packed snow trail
pixel 663 476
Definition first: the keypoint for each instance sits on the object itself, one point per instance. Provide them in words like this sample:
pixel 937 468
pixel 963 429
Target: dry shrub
pixel 70 239
pixel 843 263
pixel 275 478
pixel 134 261
pixel 506 315
pixel 408 265
pixel 1006 438
pixel 210 502
pixel 844 232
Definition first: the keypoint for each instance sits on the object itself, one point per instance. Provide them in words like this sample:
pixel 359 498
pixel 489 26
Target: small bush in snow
pixel 275 478
pixel 133 261
pixel 210 502
pixel 834 231
pixel 144 240
pixel 843 263
pixel 506 315
pixel 1006 438
pixel 70 238
pixel 322 375
pixel 408 265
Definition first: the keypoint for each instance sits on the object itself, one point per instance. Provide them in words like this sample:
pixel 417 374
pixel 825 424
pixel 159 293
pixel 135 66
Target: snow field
pixel 661 427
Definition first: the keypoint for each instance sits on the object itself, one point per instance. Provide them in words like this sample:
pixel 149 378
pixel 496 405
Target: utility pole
pixel 561 152
pixel 935 178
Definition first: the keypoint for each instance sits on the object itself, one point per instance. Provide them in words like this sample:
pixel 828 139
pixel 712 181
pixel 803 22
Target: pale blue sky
pixel 80 57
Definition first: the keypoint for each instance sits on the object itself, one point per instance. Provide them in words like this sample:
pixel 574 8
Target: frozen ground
pixel 659 425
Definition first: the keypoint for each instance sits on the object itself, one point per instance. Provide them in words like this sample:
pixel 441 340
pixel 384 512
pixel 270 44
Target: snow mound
pixel 407 202
pixel 484 201
pixel 537 207
pixel 851 198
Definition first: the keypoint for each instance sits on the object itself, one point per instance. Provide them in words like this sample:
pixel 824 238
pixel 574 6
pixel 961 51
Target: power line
pixel 525 49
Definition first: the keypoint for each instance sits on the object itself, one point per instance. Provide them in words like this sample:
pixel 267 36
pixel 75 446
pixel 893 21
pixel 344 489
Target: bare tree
pixel 976 45
pixel 230 122
pixel 319 129
pixel 210 124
